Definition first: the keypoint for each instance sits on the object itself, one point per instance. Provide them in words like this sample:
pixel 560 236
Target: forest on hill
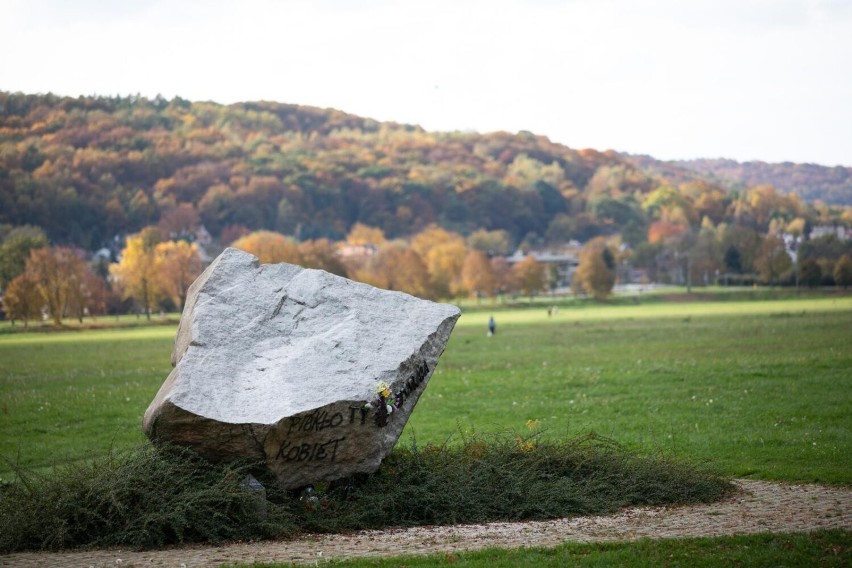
pixel 811 182
pixel 158 187
pixel 90 169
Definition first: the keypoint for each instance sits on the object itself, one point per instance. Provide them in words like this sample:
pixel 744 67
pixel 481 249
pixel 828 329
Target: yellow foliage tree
pixel 395 268
pixel 444 263
pixel 596 273
pixel 529 275
pixel 137 273
pixel 430 237
pixel 443 252
pixel 477 275
pixel 270 247
pixel 412 277
pixel 525 172
pixel 178 264
pixel 362 234
pixel 370 272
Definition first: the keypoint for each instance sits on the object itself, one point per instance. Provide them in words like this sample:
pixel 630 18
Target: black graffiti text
pixel 308 452
pixel 316 421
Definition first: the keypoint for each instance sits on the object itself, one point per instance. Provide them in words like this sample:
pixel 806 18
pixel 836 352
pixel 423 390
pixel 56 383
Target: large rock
pixel 284 364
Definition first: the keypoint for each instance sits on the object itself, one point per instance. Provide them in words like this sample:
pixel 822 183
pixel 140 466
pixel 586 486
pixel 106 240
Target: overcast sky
pixel 745 79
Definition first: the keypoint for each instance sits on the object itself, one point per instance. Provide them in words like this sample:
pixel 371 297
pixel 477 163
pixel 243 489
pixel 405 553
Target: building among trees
pixel 559 264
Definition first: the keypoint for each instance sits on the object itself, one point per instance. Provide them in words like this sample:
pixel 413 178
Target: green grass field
pixel 756 389
pixel 66 395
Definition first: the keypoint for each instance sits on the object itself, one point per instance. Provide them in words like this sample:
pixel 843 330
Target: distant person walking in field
pixel 492 326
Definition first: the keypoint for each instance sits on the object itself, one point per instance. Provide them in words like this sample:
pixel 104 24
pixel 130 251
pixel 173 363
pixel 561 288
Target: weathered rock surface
pixel 278 363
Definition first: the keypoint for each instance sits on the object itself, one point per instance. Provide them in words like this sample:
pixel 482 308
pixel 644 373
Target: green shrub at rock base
pixel 144 498
pixel 152 497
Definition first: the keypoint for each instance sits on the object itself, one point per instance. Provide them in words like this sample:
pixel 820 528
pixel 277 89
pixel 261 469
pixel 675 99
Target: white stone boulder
pixel 284 364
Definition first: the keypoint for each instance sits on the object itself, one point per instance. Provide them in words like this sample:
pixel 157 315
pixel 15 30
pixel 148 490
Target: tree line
pixel 154 273
pixel 40 281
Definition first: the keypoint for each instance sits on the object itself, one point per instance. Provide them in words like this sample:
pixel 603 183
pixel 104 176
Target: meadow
pixel 756 389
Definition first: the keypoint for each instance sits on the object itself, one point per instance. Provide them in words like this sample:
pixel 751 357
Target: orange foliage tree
pixel 269 247
pixel 596 273
pixel 21 299
pixel 178 265
pixel 529 275
pixel 57 274
pixel 395 268
pixel 443 252
pixel 412 277
pixel 380 269
pixel 661 231
pixel 322 254
pixel 477 276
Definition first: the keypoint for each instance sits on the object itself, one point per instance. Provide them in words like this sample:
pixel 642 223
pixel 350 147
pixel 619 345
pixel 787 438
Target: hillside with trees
pixel 811 182
pixel 88 169
pixel 158 184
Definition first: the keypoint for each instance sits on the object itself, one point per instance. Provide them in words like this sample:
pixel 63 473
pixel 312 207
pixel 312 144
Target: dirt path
pixel 759 507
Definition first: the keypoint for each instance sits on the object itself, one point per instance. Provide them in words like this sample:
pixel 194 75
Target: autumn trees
pixel 57 280
pixel 529 276
pixel 269 247
pixel 434 263
pixel 151 269
pixel 93 168
pixel 292 183
pixel 596 272
pixel 477 275
pixel 178 264
pixel 22 299
pixel 58 283
pixel 136 274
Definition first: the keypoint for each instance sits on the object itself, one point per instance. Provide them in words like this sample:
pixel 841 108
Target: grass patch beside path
pixel 821 548
pixel 152 498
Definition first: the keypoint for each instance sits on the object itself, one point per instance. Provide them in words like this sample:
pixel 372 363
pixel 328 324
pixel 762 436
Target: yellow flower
pixel 526 446
pixel 383 389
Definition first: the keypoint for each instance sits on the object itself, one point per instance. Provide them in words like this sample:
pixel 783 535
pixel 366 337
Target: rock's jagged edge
pixel 300 449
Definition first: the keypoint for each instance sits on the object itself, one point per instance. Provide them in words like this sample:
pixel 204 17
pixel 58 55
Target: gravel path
pixel 758 507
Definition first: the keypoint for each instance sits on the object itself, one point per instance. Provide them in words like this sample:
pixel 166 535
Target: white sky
pixel 743 79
